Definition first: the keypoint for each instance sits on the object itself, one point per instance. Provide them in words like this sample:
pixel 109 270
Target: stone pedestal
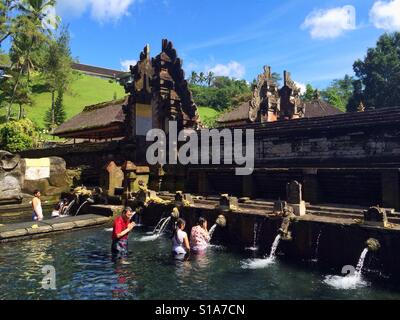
pixel 299 209
pixel 375 216
pixel 294 198
pixel 227 203
pixel 114 178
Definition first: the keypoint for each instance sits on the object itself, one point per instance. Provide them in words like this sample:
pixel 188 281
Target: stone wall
pixel 339 244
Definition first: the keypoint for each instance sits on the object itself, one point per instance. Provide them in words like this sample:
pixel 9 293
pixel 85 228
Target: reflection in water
pixel 85 270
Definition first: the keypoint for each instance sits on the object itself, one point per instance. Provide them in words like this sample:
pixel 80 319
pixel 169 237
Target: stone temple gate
pixel 158 93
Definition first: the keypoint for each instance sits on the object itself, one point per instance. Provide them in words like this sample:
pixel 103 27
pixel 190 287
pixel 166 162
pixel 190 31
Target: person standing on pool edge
pixel 121 229
pixel 37 214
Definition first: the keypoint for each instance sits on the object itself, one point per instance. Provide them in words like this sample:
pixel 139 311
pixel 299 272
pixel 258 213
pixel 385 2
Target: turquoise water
pixel 84 270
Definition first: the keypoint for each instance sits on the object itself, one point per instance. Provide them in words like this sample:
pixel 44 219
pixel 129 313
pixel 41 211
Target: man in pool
pixel 37 211
pixel 121 229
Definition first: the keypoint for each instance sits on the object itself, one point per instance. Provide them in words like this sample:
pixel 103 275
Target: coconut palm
pixel 210 78
pixel 194 77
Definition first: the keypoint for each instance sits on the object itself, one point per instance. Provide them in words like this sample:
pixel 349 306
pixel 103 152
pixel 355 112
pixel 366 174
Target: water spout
pixel 352 280
pixel 268 260
pixel 212 230
pixel 274 247
pixel 256 230
pixel 317 247
pixel 89 200
pixel 69 207
pixel 164 225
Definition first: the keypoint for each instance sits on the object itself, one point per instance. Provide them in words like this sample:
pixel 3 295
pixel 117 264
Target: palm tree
pixel 202 77
pixel 194 77
pixel 210 78
pixel 31 28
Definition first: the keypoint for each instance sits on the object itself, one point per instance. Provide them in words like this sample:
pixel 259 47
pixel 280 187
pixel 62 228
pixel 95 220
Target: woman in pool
pixel 180 240
pixel 199 237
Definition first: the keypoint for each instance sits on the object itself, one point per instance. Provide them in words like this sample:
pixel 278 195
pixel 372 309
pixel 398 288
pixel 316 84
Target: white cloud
pixel 233 69
pixel 125 64
pixel 386 15
pixel 101 10
pixel 301 86
pixel 325 24
pixel 50 21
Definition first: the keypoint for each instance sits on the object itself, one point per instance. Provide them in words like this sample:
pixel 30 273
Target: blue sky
pixel 317 40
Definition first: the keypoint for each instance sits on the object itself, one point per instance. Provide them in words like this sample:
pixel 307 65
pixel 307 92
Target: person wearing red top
pixel 121 229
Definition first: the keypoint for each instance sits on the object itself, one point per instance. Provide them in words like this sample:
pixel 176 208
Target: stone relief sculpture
pixel 11 178
pixel 291 106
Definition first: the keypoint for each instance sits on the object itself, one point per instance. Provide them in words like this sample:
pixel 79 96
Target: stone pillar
pixel 247 186
pixel 390 189
pixel 114 177
pixel 203 183
pixel 311 189
pixel 294 198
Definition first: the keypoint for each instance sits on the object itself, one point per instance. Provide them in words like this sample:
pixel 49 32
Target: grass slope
pixel 85 90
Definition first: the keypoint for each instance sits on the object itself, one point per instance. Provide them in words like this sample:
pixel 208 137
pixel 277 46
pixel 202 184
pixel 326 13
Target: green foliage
pixel 208 116
pixel 221 94
pixel 379 74
pixel 309 94
pixel 339 92
pixel 4 59
pixel 16 136
pixel 59 113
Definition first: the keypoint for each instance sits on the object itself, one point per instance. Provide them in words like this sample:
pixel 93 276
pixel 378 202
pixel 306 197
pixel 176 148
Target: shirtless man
pixel 37 214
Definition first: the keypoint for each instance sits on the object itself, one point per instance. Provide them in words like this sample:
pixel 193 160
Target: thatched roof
pixel 314 108
pixel 241 113
pixel 103 120
pixel 319 108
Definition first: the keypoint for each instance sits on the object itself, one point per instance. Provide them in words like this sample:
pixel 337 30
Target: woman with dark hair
pixel 180 240
pixel 199 237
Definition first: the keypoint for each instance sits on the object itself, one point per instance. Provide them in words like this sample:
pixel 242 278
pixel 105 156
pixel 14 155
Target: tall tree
pixel 57 71
pixel 379 73
pixel 56 115
pixel 31 29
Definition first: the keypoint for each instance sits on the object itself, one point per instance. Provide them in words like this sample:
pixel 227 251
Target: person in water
pixel 121 229
pixel 180 240
pixel 199 237
pixel 37 211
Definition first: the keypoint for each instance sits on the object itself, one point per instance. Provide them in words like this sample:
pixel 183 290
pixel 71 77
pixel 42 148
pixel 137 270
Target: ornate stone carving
pixel 10 177
pixel 171 94
pixel 265 104
pixel 291 106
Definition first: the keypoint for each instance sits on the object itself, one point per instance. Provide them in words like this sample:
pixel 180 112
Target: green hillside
pixel 85 90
